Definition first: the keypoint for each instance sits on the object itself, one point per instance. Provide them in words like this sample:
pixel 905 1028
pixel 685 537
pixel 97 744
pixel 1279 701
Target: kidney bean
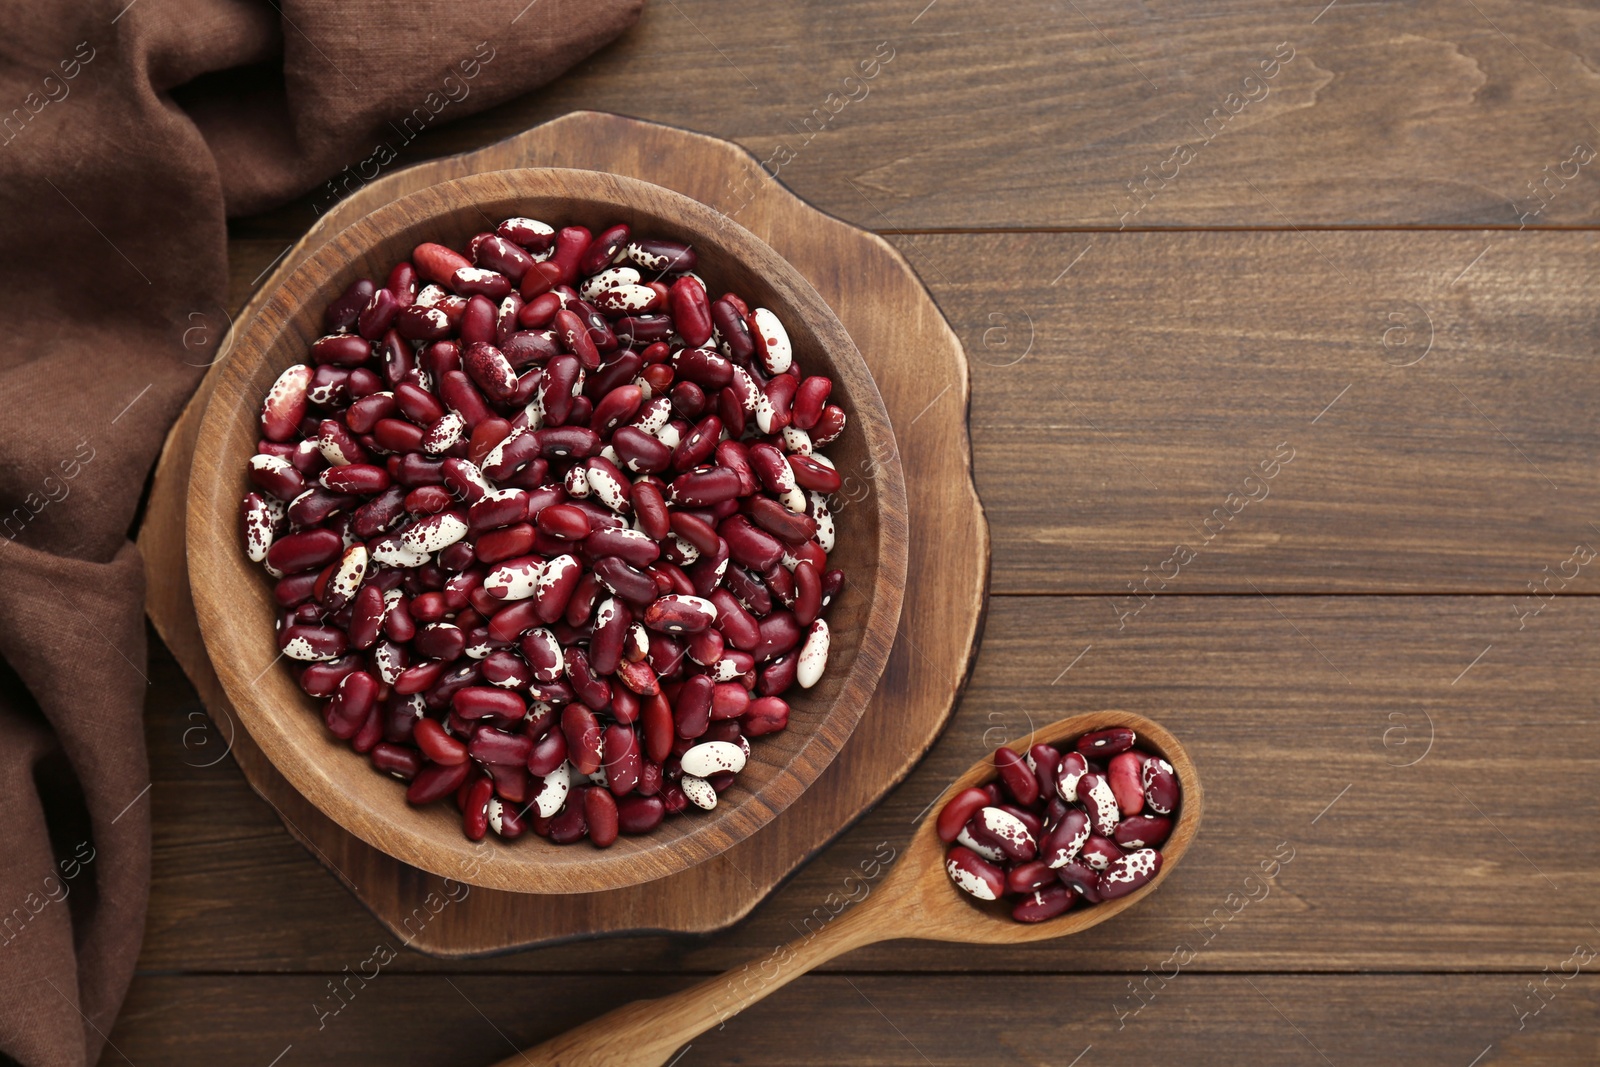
pixel 1017 778
pixel 436 781
pixel 1141 831
pixel 974 875
pixel 1125 775
pixel 1160 786
pixel 660 256
pixel 1069 773
pixel 1128 873
pixel 1106 742
pixel 639 814
pixel 1101 803
pixel 1063 841
pixel 584 737
pixel 1043 903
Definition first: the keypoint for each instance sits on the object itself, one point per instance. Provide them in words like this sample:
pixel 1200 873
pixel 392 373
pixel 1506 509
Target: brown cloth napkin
pixel 128 132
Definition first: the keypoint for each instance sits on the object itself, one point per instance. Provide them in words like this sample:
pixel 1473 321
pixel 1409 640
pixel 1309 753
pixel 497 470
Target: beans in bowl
pixel 1083 822
pixel 549 528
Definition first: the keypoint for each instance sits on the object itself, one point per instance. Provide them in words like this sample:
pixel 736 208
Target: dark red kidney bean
pixel 616 407
pixel 600 814
pixel 591 689
pixel 778 520
pixel 689 400
pixel 436 263
pixel 736 337
pixel 1160 786
pixel 343 312
pixel 1027 877
pixel 625 580
pixel 403 283
pixel 476 808
pixel 584 737
pixel 497 253
pixel 605 248
pixel 562 442
pixel 1127 785
pixel 496 746
pixel 417 678
pixel 1045 759
pixel 477 322
pixel 397 760
pixel 421 323
pixel 1143 831
pixel 704 486
pixel 697 446
pixel 766 715
pixel 809 399
pixel 342 349
pixel 1102 743
pixel 304 551
pixel 958 811
pixel 753 547
pixel 655 716
pixel 476 281
pixel 703 367
pixel 548 753
pixel 748 589
pixel 780 395
pixel 622 762
pixel 1043 903
pixel 779 634
pixel 692 708
pixel 574 334
pixel 1018 779
pixel 630 545
pixel 539 311
pixel 481 701
pixel 809 474
pixel 378 315
pixel 565 522
pixel 643 329
pixel 691 312
pixel 506 669
pixel 1082 879
pixel 639 814
pixel 436 781
pixel 737 625
pixel 437 745
pixel 569 825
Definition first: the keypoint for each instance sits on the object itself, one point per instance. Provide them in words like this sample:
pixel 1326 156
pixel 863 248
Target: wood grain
pixel 1433 389
pixel 1277 731
pixel 907 711
pixel 1040 114
pixel 881 1019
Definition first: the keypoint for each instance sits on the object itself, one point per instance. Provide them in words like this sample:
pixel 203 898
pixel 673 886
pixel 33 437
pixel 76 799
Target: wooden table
pixel 1309 355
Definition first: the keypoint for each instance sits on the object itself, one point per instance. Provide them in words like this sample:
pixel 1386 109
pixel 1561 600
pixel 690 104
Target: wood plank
pixel 1041 114
pixel 1299 712
pixel 1170 370
pixel 878 1019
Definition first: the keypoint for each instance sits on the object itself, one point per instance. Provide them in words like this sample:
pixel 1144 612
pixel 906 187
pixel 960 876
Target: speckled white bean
pixel 610 278
pixel 824 516
pixel 710 757
pixel 773 347
pixel 434 533
pixel 553 792
pixel 813 655
pixel 699 792
pixel 444 433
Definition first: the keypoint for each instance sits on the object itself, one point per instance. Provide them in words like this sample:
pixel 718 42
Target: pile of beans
pixel 1081 822
pixel 549 528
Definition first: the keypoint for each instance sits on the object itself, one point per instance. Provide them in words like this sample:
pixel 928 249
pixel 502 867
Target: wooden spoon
pixel 917 900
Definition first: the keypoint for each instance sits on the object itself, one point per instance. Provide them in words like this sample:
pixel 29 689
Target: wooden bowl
pixel 233 596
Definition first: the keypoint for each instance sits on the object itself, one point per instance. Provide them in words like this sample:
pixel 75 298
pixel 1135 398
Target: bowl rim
pixel 214 555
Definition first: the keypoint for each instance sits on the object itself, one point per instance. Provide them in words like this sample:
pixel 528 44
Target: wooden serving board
pixel 921 371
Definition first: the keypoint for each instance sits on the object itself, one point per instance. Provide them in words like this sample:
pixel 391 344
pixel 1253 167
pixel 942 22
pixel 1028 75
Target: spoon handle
pixel 647 1032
